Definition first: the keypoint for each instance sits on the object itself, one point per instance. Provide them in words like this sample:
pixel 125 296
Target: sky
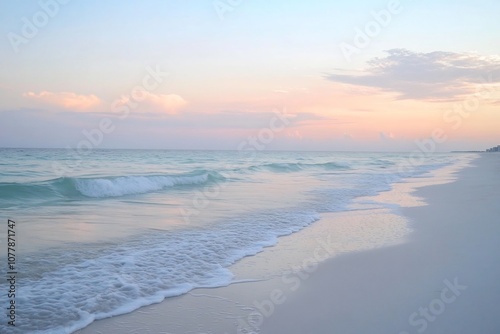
pixel 363 75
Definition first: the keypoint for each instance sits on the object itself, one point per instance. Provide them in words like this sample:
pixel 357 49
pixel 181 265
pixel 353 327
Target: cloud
pixel 224 119
pixel 236 119
pixel 66 100
pixel 149 102
pixel 433 76
pixel 386 136
pixel 347 136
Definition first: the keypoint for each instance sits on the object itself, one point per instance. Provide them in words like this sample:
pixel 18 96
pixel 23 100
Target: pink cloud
pixel 66 100
pixel 164 103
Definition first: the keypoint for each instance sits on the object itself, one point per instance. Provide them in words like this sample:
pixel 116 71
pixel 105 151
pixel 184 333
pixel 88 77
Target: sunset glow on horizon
pixel 370 76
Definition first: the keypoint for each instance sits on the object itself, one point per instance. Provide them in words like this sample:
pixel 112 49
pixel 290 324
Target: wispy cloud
pixel 66 100
pixel 431 76
pixel 162 103
pixel 281 91
pixel 236 119
pixel 386 136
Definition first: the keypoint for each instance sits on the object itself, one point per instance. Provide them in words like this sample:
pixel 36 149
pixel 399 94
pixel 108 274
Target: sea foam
pixel 68 291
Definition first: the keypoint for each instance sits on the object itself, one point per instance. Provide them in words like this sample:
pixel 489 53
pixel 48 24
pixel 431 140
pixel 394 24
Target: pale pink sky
pixel 184 75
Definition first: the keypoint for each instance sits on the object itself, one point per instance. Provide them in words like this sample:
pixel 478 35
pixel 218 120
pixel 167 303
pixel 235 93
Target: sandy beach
pixel 442 278
pixel 250 167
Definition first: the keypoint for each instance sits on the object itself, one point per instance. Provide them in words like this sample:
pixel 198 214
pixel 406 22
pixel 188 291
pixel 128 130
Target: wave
pixel 130 185
pixel 284 167
pixel 103 187
pixel 74 188
pixel 381 163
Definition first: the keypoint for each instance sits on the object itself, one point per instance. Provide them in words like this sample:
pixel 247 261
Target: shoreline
pixel 444 280
pixel 236 307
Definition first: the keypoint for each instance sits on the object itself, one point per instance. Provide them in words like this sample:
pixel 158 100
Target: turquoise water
pixel 104 234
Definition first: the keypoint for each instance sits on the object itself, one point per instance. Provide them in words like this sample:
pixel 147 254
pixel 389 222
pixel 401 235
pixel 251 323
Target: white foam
pixel 128 185
pixel 98 283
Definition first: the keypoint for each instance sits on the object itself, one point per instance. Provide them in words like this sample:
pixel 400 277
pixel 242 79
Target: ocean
pixel 103 234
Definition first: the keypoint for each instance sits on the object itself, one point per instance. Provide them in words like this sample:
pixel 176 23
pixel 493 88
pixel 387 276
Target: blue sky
pixel 258 57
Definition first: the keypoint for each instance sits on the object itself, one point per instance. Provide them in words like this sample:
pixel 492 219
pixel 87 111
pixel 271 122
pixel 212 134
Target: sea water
pixel 108 232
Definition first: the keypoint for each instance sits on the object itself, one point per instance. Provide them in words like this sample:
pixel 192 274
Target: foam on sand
pixel 445 280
